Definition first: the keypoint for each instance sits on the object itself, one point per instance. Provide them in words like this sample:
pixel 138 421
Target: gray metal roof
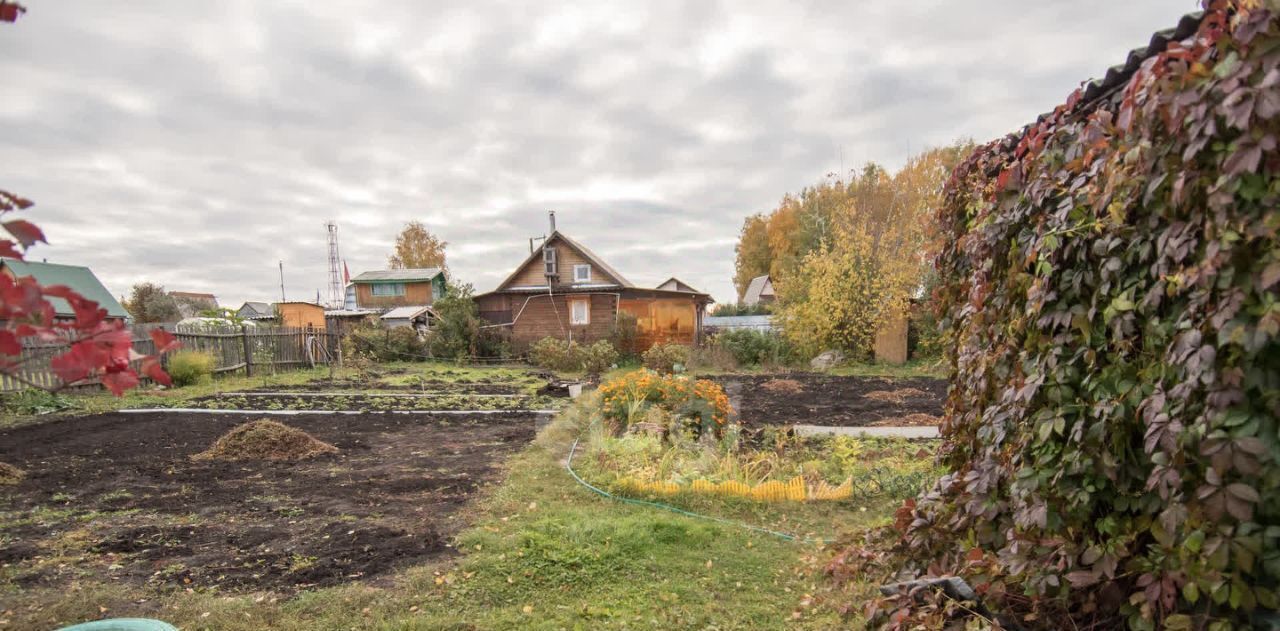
pixel 406 313
pixel 398 275
pixel 756 289
pixel 256 310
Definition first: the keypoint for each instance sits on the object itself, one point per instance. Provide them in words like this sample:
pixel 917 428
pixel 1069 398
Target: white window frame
pixel 586 311
pixel 578 278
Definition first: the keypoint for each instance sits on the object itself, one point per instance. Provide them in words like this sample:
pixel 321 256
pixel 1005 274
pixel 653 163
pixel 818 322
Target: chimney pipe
pixel 552 215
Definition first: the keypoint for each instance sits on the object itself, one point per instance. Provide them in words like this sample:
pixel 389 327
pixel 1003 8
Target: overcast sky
pixel 195 144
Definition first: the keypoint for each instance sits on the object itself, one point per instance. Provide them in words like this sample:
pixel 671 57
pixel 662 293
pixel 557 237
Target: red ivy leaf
pixel 25 232
pixel 164 340
pixel 118 382
pixel 9 344
pixel 7 250
pixel 152 369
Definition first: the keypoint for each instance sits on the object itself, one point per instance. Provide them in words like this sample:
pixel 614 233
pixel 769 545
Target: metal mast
pixel 336 295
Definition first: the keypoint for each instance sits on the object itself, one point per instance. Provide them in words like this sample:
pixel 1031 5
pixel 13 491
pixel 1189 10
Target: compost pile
pixel 10 475
pixel 265 439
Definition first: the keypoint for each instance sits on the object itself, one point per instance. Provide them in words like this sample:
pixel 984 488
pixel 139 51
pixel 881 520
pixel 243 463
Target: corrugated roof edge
pixel 1095 90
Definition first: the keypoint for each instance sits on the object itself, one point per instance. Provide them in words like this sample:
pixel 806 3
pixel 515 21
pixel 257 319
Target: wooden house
pixel 564 290
pixel 256 311
pixel 383 290
pixel 759 291
pixel 675 284
pixel 302 315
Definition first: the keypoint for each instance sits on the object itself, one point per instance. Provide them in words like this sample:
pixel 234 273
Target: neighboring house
pixel 191 303
pixel 256 311
pixel 302 315
pixel 759 291
pixel 79 279
pixel 387 289
pixel 675 284
pixel 566 291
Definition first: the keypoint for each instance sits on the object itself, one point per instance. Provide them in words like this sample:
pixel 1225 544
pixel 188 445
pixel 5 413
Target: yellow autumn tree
pixel 417 248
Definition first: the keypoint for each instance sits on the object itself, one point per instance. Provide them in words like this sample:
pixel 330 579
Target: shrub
pixel 1109 282
pixel 372 340
pixel 556 354
pixel 752 348
pixel 666 358
pixel 559 355
pixel 598 357
pixel 35 401
pixel 188 368
pixel 624 333
pixel 455 334
pixel 628 398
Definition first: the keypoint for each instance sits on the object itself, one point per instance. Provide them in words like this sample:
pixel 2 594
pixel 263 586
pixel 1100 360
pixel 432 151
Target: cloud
pixel 197 144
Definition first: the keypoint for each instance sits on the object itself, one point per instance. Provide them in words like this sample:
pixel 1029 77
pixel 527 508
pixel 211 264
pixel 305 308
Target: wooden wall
pixel 415 293
pixel 890 345
pixel 301 315
pixel 539 319
pixel 535 275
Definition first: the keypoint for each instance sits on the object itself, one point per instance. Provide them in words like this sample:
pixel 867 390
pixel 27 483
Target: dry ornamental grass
pixel 266 440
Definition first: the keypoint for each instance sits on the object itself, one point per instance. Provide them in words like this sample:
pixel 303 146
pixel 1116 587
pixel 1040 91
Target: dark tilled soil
pixel 829 400
pixel 117 496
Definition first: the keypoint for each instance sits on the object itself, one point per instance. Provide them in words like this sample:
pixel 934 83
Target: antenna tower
pixel 336 296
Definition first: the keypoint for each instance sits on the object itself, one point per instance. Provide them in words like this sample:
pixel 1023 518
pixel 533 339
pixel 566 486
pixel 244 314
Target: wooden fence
pixel 246 349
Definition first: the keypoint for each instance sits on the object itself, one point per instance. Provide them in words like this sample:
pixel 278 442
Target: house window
pixel 388 289
pixel 579 312
pixel 581 273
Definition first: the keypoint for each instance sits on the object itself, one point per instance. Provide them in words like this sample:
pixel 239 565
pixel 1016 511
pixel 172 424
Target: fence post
pixel 248 356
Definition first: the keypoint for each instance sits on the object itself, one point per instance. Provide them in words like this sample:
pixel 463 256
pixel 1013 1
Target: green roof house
pixel 80 279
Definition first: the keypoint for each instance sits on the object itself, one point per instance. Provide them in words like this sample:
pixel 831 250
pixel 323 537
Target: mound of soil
pixel 10 475
pixel 910 420
pixel 896 396
pixel 786 386
pixel 265 439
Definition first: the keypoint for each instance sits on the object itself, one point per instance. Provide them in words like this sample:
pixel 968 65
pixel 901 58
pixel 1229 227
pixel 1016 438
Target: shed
pixel 302 315
pixel 416 316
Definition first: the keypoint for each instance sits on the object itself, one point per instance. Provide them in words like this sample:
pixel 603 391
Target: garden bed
pixel 829 400
pixel 379 401
pixel 118 497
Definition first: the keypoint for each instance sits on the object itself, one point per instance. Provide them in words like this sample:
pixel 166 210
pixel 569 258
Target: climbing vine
pixel 1109 284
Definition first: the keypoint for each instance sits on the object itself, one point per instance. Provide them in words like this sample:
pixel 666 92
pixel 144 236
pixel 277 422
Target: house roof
pixel 398 275
pixel 257 310
pixel 757 287
pixel 194 296
pixel 406 313
pixel 79 279
pixel 582 249
pixel 679 285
